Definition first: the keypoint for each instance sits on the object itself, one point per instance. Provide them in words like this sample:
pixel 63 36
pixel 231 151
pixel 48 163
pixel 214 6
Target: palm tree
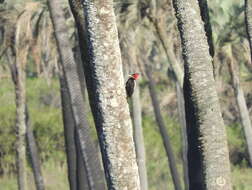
pixel 208 168
pixel 248 20
pixel 104 79
pixel 89 153
pixel 240 100
pixel 163 131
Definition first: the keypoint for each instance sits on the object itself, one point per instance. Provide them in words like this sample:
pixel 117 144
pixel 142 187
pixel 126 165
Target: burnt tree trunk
pixel 208 159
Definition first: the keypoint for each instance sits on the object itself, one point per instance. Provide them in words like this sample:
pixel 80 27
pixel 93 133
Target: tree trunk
pixel 88 151
pixel 104 80
pixel 167 45
pixel 36 166
pixel 82 180
pixel 181 112
pixel 69 133
pixel 204 12
pixel 163 132
pixel 242 106
pixel 139 138
pixel 18 78
pixel 128 47
pixel 248 21
pixel 208 157
pixel 76 170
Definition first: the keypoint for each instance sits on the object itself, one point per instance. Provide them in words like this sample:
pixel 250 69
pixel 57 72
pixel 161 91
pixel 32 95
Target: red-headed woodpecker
pixel 131 83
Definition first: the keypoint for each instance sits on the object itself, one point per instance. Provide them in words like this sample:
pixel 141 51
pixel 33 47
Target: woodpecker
pixel 131 83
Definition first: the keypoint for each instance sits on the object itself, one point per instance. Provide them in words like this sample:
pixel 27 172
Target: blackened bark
pixel 204 12
pixel 207 140
pixel 108 99
pixel 163 132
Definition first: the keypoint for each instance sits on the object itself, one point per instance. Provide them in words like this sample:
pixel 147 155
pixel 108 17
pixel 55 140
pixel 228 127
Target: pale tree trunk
pixel 88 151
pixel 181 113
pixel 163 132
pixel 167 44
pixel 33 150
pixel 209 166
pixel 105 83
pixel 242 106
pixel 139 138
pixel 248 21
pixel 128 48
pixel 18 78
pixel 21 126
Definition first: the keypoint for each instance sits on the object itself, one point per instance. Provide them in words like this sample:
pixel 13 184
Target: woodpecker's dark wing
pixel 130 85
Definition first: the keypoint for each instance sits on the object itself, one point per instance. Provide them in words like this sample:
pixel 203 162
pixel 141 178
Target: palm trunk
pixel 128 47
pixel 243 109
pixel 248 21
pixel 36 166
pixel 69 133
pixel 207 141
pixel 21 127
pixel 204 12
pixel 88 151
pixel 18 78
pixel 181 112
pixel 139 138
pixel 167 45
pixel 163 132
pixel 104 80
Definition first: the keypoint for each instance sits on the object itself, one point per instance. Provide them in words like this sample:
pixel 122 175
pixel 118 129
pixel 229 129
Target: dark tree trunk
pixel 204 12
pixel 209 166
pixel 69 133
pixel 82 180
pixel 33 150
pixel 88 151
pixel 248 21
pixel 163 132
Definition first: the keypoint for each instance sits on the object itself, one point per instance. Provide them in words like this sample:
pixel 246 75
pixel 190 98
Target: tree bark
pixel 69 133
pixel 181 112
pixel 248 21
pixel 88 151
pixel 139 138
pixel 36 165
pixel 18 78
pixel 163 132
pixel 128 47
pixel 167 45
pixel 105 83
pixel 242 106
pixel 207 141
pixel 204 12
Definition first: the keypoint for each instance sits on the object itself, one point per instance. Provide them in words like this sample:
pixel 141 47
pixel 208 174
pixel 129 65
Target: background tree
pixel 248 21
pixel 89 153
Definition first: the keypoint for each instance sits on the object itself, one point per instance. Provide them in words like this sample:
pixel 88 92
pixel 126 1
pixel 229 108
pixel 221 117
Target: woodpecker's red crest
pixel 130 84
